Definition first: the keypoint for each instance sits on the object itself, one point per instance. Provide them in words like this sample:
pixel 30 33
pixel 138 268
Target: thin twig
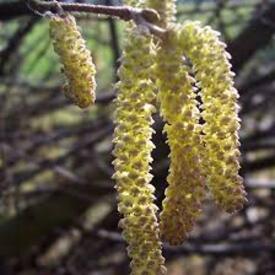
pixel 218 249
pixel 147 17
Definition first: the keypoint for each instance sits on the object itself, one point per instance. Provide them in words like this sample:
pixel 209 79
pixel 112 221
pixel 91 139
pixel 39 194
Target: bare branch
pixel 146 17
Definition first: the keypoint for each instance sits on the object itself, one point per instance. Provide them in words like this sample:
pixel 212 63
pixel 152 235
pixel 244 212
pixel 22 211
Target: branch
pixel 260 164
pixel 245 249
pixel 254 37
pixel 30 227
pixel 147 17
pixel 220 249
pixel 14 43
pixel 46 164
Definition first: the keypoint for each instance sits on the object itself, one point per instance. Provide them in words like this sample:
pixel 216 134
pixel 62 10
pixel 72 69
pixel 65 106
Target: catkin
pixel 133 146
pixel 185 190
pixel 76 59
pixel 220 113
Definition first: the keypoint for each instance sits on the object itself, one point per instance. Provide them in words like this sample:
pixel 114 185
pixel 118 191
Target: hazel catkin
pixel 76 59
pixel 133 146
pixel 219 111
pixel 178 106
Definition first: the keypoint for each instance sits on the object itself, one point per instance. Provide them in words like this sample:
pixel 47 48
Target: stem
pixel 147 17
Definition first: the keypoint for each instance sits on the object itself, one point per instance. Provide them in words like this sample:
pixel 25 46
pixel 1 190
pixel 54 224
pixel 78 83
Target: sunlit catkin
pixel 133 146
pixel 185 190
pixel 220 113
pixel 76 59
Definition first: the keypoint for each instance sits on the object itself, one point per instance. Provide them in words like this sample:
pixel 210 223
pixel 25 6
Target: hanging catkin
pixel 76 60
pixel 178 107
pixel 133 146
pixel 220 113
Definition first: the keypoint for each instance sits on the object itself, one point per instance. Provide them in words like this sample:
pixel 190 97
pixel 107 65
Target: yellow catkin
pixel 185 190
pixel 133 146
pixel 76 59
pixel 220 113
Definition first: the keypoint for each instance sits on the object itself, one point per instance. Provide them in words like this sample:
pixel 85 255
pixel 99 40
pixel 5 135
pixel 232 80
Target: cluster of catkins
pixel 202 135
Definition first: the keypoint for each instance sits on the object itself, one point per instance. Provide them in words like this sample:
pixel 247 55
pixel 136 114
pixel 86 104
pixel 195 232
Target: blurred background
pixel 57 202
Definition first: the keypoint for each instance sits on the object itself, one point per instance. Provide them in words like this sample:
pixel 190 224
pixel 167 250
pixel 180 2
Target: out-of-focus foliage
pixel 57 207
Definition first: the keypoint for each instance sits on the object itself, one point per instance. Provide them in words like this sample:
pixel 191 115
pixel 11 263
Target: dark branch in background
pixel 257 82
pixel 30 227
pixel 13 9
pixel 45 164
pixel 260 164
pixel 14 43
pixel 222 249
pixel 255 36
pixel 114 41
